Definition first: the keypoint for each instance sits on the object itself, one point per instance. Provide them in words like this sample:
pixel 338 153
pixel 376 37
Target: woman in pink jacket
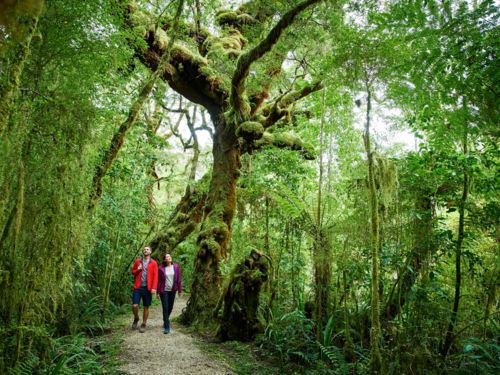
pixel 169 282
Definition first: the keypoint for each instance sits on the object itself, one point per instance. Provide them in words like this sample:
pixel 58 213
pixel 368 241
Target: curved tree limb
pixel 237 98
pixel 279 108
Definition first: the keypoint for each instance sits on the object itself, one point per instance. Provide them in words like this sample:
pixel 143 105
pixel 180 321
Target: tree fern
pixel 295 208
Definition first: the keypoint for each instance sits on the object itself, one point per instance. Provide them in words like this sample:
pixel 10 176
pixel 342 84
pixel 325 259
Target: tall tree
pixel 242 119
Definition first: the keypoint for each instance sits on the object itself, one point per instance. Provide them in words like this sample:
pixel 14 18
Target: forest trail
pixel 155 353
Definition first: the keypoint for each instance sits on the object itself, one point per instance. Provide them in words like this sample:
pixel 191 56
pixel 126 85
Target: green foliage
pixel 64 271
pixel 336 358
pixel 291 337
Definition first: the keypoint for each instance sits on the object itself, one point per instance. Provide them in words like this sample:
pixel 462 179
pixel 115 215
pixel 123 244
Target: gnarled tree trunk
pixel 215 232
pixel 183 221
pixel 239 319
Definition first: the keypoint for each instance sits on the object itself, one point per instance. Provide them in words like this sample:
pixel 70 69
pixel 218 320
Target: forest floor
pixel 156 353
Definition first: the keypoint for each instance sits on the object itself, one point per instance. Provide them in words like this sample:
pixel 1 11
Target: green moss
pixel 226 17
pixel 285 139
pixel 211 245
pixel 142 22
pixel 187 54
pixel 216 79
pixel 250 130
pixel 161 38
pixel 245 18
pixel 267 138
pixel 182 217
pixel 235 34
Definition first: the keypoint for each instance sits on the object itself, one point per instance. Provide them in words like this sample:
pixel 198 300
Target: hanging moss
pixel 226 16
pixel 230 45
pixel 286 139
pixel 186 54
pixel 386 178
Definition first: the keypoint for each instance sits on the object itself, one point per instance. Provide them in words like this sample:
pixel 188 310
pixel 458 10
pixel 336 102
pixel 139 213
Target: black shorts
pixel 143 293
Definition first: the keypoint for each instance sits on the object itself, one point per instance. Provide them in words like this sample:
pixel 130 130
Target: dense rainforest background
pixel 325 172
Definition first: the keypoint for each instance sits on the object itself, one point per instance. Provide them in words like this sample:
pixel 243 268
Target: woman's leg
pixel 171 299
pixel 164 305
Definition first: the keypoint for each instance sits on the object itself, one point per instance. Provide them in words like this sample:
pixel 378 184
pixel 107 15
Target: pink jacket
pixel 177 287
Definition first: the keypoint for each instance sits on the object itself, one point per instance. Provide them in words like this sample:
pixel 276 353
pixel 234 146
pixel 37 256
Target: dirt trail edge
pixel 155 353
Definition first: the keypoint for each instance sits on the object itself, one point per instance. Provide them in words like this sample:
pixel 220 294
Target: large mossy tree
pixel 213 71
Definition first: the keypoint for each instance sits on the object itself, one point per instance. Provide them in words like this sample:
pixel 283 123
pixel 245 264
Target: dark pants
pixel 144 294
pixel 167 303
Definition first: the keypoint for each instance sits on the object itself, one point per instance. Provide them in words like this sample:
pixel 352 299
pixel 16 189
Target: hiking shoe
pixel 134 324
pixel 142 328
pixel 166 330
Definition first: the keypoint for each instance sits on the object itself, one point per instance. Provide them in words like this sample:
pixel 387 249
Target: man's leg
pixel 146 301
pixel 135 308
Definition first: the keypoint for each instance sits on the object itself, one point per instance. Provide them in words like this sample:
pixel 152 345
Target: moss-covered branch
pixel 281 107
pixel 286 140
pixel 119 137
pixel 186 71
pixel 238 101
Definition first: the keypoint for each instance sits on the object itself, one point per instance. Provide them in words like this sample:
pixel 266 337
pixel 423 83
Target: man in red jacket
pixel 145 271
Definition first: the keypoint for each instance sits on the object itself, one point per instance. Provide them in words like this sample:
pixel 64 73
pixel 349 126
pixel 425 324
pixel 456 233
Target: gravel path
pixel 154 353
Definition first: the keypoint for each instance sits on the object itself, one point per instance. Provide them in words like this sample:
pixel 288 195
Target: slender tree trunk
pixel 153 126
pixel 266 236
pixel 458 254
pixel 348 344
pixel 9 91
pixel 215 233
pixel 491 285
pixel 196 148
pixel 322 268
pixel 375 331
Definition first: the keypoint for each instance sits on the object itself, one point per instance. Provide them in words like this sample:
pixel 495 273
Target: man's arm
pixel 154 268
pixel 137 267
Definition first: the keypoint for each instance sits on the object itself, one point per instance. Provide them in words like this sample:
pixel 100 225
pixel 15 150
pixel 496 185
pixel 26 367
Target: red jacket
pixel 152 277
